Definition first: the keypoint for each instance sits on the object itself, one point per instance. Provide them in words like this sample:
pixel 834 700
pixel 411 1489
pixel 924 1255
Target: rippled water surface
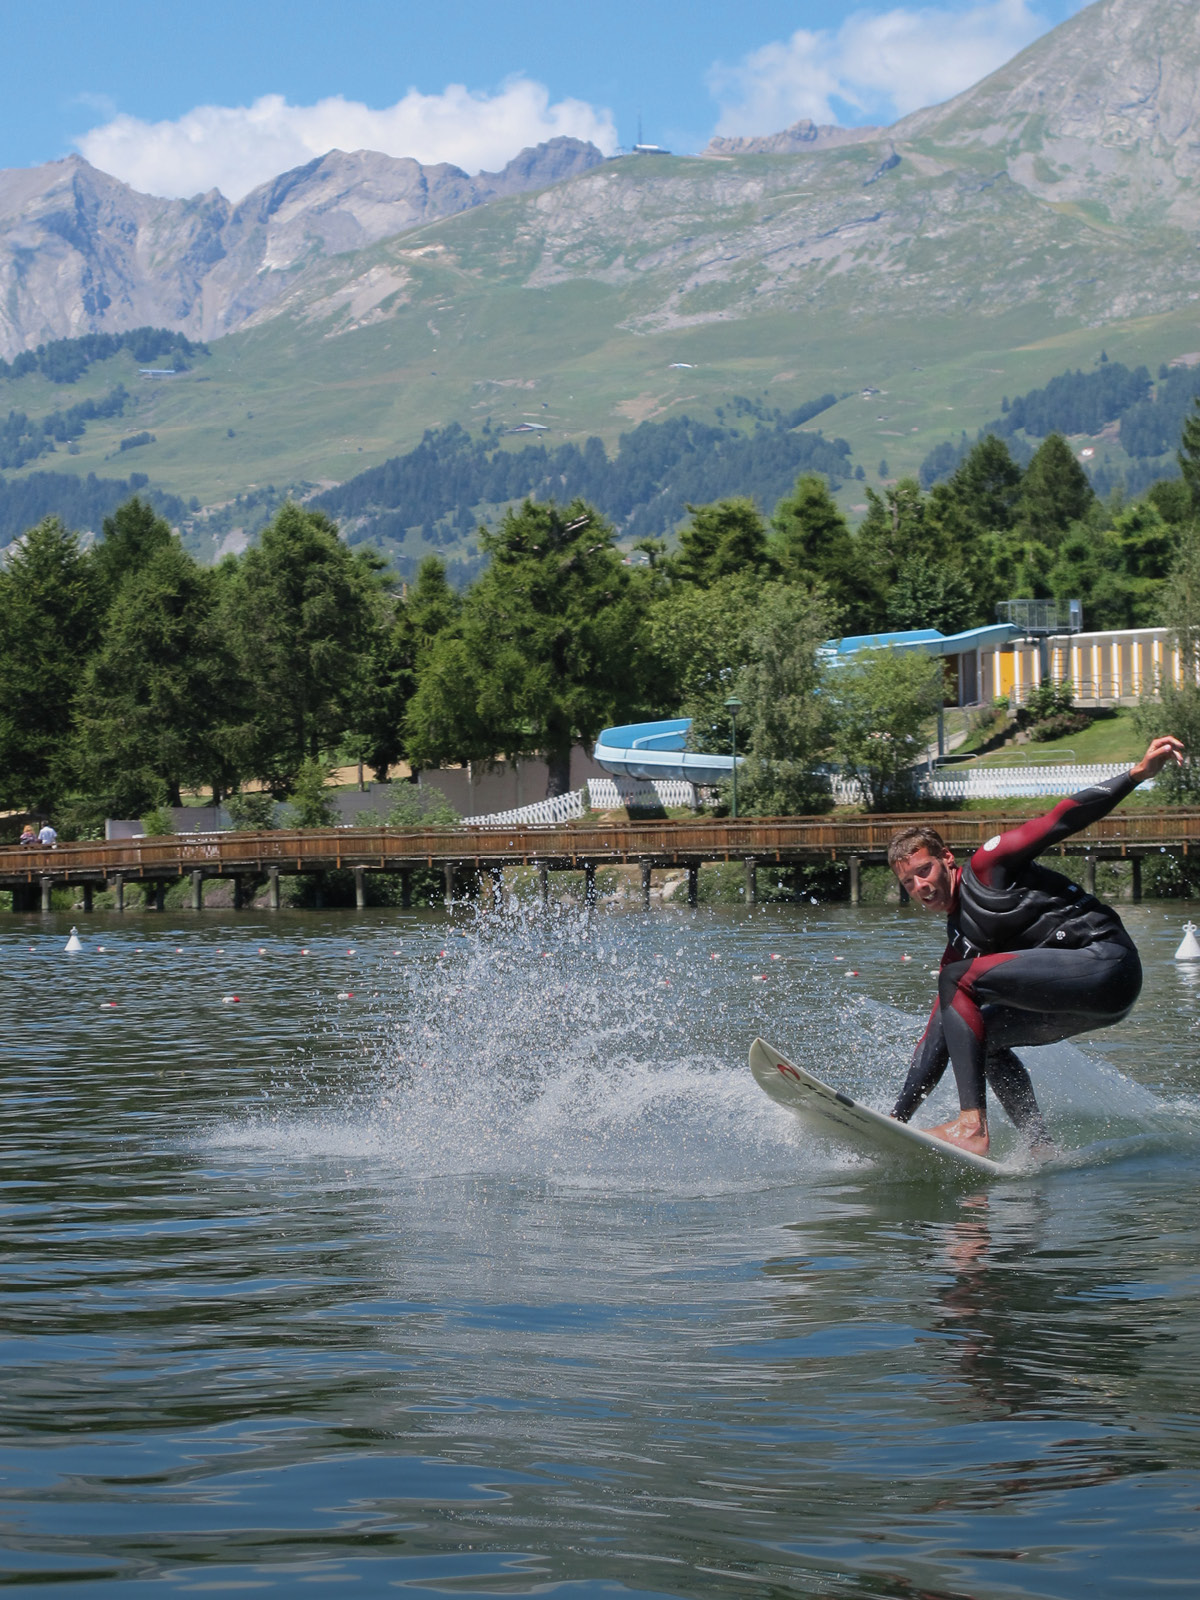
pixel 468 1259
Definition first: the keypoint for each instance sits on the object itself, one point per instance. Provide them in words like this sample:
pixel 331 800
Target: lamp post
pixel 733 705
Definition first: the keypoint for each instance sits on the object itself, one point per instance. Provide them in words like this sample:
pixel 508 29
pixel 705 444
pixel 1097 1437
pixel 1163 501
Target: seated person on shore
pixel 1030 958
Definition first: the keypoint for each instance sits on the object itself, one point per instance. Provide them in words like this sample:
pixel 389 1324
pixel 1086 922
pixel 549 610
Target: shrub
pixel 251 813
pixel 158 822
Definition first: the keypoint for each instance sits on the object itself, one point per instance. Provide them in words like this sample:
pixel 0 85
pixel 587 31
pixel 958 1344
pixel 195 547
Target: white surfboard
pixel 831 1115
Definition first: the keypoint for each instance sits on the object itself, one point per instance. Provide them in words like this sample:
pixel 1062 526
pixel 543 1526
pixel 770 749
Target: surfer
pixel 1030 958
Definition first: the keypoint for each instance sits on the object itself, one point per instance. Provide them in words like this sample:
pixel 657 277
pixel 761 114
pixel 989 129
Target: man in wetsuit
pixel 1030 958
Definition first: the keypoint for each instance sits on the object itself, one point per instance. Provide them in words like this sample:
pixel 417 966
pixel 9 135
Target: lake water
pixel 467 1259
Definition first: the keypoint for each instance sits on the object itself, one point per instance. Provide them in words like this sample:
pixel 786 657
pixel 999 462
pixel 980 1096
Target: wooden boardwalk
pixel 251 857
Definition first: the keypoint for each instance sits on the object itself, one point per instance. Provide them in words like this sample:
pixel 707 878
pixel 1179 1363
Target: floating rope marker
pixel 906 958
pixel 1189 950
pixel 774 957
pixel 229 1000
pixel 345 994
pixel 108 1005
pixel 73 946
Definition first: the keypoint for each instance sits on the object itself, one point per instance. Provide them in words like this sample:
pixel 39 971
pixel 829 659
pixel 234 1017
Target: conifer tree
pixel 48 628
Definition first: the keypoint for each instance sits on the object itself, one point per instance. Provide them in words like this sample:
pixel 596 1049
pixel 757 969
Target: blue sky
pixel 225 94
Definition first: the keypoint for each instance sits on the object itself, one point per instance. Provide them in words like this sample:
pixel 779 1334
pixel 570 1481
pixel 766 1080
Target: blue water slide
pixel 650 750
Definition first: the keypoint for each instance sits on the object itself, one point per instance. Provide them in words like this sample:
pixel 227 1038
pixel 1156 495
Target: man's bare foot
pixel 968 1131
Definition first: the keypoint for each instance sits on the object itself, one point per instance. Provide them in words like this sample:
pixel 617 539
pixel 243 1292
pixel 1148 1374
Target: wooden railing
pixel 669 843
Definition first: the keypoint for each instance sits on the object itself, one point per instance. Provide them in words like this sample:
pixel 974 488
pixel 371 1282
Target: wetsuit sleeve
pixel 928 1064
pixel 999 861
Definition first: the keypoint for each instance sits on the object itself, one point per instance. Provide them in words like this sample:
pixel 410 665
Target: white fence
pixel 1016 783
pixel 548 813
pixel 603 794
pixel 606 793
pixel 976 783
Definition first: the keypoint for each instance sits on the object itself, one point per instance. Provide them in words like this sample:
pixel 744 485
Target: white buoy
pixel 73 946
pixel 1189 950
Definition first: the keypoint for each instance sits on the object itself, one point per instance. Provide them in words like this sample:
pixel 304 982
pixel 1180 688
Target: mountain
pixel 922 273
pixel 1103 112
pixel 82 252
pixel 801 138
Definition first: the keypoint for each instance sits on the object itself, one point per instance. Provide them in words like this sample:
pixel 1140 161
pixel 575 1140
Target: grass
pixel 1112 736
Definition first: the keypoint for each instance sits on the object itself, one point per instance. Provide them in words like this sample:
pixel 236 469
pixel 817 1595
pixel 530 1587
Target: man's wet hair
pixel 908 841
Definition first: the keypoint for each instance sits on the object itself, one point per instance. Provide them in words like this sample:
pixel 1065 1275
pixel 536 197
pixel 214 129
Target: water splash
pixel 597 1051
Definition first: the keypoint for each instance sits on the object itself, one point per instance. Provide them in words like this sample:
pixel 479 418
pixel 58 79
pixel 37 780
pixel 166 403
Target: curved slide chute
pixel 650 750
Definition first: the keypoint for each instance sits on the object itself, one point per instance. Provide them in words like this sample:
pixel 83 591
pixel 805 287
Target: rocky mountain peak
pixel 1107 102
pixel 82 252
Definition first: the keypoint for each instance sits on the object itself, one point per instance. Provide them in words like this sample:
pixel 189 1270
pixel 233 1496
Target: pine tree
pixel 1189 453
pixel 550 645
pixel 48 628
pixel 159 688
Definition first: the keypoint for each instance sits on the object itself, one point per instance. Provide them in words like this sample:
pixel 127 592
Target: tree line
pixel 129 673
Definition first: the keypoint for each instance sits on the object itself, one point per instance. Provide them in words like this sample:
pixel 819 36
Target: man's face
pixel 930 880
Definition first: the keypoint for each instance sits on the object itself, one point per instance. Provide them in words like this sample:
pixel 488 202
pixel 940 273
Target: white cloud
pixel 235 148
pixel 879 66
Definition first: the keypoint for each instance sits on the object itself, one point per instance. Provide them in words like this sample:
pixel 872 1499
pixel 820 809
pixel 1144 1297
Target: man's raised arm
pixel 1008 852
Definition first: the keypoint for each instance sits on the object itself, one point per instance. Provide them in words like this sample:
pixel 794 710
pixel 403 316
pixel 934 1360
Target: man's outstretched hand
pixel 1163 749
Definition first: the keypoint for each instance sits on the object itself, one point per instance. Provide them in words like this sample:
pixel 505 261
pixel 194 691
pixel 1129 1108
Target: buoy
pixel 178 949
pixel 774 957
pixel 1189 950
pixel 906 958
pixel 351 952
pixel 852 974
pixel 108 1005
pixel 99 947
pixel 262 950
pixel 73 946
pixel 229 1000
pixel 838 958
pixel 345 994
pixel 304 952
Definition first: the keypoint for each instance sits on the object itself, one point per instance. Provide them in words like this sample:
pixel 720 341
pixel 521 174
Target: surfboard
pixel 831 1115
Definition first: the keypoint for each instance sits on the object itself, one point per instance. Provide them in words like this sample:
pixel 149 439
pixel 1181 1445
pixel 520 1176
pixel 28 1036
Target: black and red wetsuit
pixel 1031 959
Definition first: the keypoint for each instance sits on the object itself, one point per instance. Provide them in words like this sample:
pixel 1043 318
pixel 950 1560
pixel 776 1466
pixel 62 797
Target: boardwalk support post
pixel 544 882
pixel 405 888
pixel 751 881
pixel 589 883
pixel 855 880
pixel 448 872
pixel 693 882
pixel 118 887
pixel 239 893
pixel 273 895
pixel 496 875
pixel 360 889
pixel 197 899
pixel 47 887
pixel 645 885
pixel 159 902
pixel 319 891
pixel 1135 887
pixel 1089 874
pixel 87 897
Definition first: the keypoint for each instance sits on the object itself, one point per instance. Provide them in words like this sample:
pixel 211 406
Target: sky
pixel 227 94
